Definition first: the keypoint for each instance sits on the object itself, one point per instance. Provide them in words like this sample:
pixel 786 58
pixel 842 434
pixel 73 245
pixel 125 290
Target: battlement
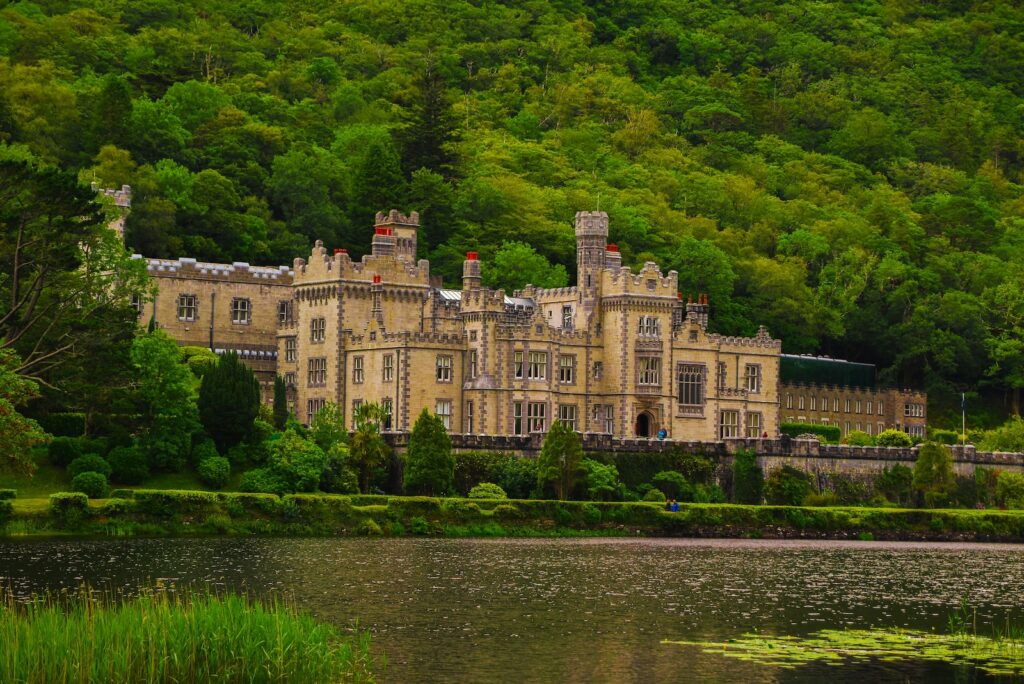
pixel 407 337
pixel 592 223
pixel 762 340
pixel 185 267
pixel 323 266
pixel 122 198
pixel 395 217
pixel 624 281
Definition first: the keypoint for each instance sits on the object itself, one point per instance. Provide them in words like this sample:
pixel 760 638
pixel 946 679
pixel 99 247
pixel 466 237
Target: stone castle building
pixel 618 354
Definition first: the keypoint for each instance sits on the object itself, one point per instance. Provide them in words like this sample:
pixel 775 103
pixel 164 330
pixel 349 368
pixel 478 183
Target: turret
pixel 591 239
pixel 383 242
pixel 403 230
pixel 471 272
pixel 612 257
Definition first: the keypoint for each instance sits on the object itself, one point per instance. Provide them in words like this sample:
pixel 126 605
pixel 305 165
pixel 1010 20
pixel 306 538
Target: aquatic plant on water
pixel 1000 654
pixel 172 637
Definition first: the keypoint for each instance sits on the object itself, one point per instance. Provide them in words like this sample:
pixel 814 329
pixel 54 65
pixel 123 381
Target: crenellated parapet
pixel 322 266
pixel 238 271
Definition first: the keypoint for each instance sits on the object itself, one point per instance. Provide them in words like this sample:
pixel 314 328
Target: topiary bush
pixel 128 465
pixel 215 472
pixel 69 509
pixel 673 485
pixel 92 484
pixel 654 495
pixel 90 463
pixel 63 450
pixel 487 490
pixel 894 438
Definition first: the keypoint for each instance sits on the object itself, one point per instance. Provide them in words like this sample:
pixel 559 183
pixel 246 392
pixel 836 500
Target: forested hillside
pixel 849 174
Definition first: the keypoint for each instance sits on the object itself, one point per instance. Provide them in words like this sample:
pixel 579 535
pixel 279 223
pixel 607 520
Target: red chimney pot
pixel 382 230
pixel 340 250
pixel 612 248
pixel 376 279
pixel 471 256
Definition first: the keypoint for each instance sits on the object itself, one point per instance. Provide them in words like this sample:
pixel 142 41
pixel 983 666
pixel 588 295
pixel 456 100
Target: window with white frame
pixel 691 384
pixel 648 370
pixel 357 370
pixel 846 406
pixel 789 401
pixel 567 415
pixel 567 369
pixel 867 428
pixel 317 369
pixel 824 403
pixel 846 428
pixel 388 369
pixel 752 377
pixel 291 349
pixel 289 379
pixel 517 418
pixel 870 407
pixel 538 369
pixel 518 364
pixel 188 307
pixel 356 403
pixel 472 364
pixel 721 375
pixel 649 326
pixel 137 304
pixel 241 311
pixel 835 404
pixel 317 329
pixel 284 311
pixel 313 407
pixel 880 408
pixel 753 425
pixel 443 409
pixel 800 403
pixel 729 424
pixel 469 417
pixel 536 416
pixel 443 368
pixel 386 409
pixel 567 318
pixel 814 403
pixel 609 419
pixel 858 407
pixel 598 369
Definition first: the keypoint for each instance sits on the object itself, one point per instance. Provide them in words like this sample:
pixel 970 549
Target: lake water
pixel 593 610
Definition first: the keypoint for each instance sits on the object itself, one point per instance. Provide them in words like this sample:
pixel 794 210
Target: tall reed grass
pixel 162 636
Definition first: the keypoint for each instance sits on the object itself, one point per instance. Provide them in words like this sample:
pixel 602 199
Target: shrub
pixel 944 436
pixel 828 433
pixel 894 438
pixel 92 484
pixel 487 490
pixel 122 494
pixel 90 463
pixel 203 449
pixel 262 480
pixel 128 465
pixel 474 467
pixel 94 445
pixel 6 494
pixel 673 485
pixel 848 491
pixel 517 476
pixel 591 514
pixel 338 475
pixel 696 468
pixel 64 425
pixel 297 463
pixel 823 499
pixel 1007 437
pixel 708 494
pixel 1010 490
pixel 747 478
pixel 896 483
pixel 63 450
pixel 328 426
pixel 429 465
pixel 559 462
pixel 859 438
pixel 601 481
pixel 787 486
pixel 654 495
pixel 69 509
pixel 933 473
pixel 6 512
pixel 166 448
pixel 215 472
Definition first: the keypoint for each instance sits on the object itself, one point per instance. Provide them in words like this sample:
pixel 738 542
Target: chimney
pixel 471 272
pixel 612 257
pixel 383 242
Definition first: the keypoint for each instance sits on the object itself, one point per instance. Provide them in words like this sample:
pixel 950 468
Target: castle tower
pixel 383 242
pixel 591 239
pixel 612 257
pixel 403 229
pixel 471 272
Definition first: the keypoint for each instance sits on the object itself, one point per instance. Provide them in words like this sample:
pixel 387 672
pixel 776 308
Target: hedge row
pixel 828 433
pixel 176 512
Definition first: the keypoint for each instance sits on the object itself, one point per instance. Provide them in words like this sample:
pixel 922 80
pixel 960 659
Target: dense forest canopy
pixel 849 174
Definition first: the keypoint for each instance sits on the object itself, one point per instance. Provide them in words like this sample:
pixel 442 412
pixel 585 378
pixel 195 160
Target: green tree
pixel 429 131
pixel 429 464
pixel 601 480
pixel 18 434
pixel 787 486
pixel 559 463
pixel 328 426
pixel 281 412
pixel 933 474
pixel 297 462
pixel 747 478
pixel 517 264
pixel 368 449
pixel 229 401
pixel 896 483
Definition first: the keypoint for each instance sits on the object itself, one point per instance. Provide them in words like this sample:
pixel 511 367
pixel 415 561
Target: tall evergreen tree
pixel 229 401
pixel 377 185
pixel 429 464
pixel 280 403
pixel 560 460
pixel 430 127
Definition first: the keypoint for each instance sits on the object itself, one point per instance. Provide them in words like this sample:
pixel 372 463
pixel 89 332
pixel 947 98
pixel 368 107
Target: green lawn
pixel 47 480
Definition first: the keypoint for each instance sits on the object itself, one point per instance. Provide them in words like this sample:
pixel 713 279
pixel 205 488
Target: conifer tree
pixel 429 464
pixel 280 403
pixel 560 460
pixel 229 401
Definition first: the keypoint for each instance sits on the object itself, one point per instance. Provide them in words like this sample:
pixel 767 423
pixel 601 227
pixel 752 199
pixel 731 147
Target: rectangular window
pixel 137 304
pixel 691 384
pixel 649 371
pixel 536 416
pixel 881 428
pixel 753 425
pixel 880 409
pixel 567 414
pixel 469 417
pixel 538 369
pixel 518 369
pixel 847 406
pixel 472 364
pixel 385 406
pixel 867 428
pixel 846 430
pixel 567 318
pixel 289 379
pixel 284 311
pixel 720 376
pixel 729 424
pixel 290 349
pixel 187 307
pixel 567 369
pixel 801 403
pixel 907 411
pixel 388 369
pixel 609 419
pixel 517 418
pixel 870 408
pixel 357 370
pixel 443 409
pixel 317 329
pixel 356 403
pixel 598 369
pixel 814 403
pixel 789 401
pixel 443 368
pixel 824 404
pixel 835 405
pixel 313 406
pixel 752 378
pixel 317 369
pixel 858 408
pixel 241 311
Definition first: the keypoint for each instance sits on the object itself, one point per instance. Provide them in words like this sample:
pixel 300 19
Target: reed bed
pixel 163 636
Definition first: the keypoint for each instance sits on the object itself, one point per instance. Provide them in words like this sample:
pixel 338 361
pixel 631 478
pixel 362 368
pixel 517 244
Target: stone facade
pixel 871 410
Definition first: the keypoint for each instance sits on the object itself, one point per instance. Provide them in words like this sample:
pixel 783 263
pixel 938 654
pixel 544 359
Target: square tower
pixel 404 229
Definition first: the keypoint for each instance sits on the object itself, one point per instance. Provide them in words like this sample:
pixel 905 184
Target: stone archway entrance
pixel 645 425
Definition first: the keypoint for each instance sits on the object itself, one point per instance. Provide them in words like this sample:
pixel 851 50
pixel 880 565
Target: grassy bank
pixel 164 512
pixel 163 637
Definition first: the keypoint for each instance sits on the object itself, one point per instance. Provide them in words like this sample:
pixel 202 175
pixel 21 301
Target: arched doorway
pixel 645 425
